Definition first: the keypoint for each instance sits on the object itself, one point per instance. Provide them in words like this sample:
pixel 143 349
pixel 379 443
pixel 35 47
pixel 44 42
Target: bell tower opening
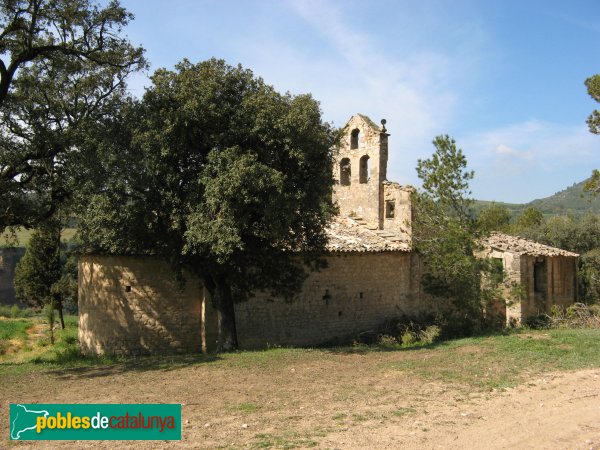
pixel 364 169
pixel 345 172
pixel 354 139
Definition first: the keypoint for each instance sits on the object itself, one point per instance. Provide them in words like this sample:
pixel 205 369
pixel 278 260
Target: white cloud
pixel 530 160
pixel 409 84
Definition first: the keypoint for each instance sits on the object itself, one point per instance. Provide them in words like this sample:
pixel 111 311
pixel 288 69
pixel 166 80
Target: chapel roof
pixel 348 234
pixel 522 246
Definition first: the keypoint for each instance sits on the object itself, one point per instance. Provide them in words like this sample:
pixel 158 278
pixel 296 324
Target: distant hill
pixel 571 200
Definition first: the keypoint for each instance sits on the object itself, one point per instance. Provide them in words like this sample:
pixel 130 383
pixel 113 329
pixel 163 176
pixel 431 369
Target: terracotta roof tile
pixel 522 246
pixel 349 235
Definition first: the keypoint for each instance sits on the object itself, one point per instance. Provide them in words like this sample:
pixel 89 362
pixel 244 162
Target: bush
pixel 4 311
pixel 408 338
pixel 13 312
pixel 577 315
pixel 430 334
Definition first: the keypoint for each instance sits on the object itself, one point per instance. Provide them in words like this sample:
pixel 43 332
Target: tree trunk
pixel 226 315
pixel 60 314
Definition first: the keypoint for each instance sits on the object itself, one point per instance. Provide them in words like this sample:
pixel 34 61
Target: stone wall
pixel 134 305
pixel 559 287
pixel 397 209
pixel 356 293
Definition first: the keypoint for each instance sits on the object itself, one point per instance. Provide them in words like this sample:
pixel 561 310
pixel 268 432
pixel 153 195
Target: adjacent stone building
pixel 536 276
pixel 133 305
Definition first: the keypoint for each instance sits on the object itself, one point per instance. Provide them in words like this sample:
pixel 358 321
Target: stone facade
pixel 134 304
pixel 356 293
pixel 536 276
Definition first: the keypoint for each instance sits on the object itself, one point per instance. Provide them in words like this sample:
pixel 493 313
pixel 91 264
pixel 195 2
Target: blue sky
pixel 504 78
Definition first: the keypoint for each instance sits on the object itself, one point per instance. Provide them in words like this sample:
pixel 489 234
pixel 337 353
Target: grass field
pixel 23 235
pixel 303 397
pixel 482 363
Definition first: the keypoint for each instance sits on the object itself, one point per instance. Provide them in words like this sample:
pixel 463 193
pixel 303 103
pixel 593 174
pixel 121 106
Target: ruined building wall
pixel 397 209
pixel 549 281
pixel 134 305
pixel 544 281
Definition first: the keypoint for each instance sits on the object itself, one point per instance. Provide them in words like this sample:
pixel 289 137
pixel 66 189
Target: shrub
pixel 577 315
pixel 408 338
pixel 430 334
pixel 4 311
pixel 385 340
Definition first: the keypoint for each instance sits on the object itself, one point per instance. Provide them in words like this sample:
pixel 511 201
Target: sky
pixel 505 78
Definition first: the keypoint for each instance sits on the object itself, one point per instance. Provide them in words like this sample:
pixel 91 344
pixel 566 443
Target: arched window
pixel 364 169
pixel 345 172
pixel 354 138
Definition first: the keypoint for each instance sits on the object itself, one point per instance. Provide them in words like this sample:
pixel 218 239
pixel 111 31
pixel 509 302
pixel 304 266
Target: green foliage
pixel 14 311
pixel 569 201
pixel 589 277
pixel 13 329
pixel 46 274
pixel 575 316
pixel 529 218
pixel 40 267
pixel 577 234
pixel 593 121
pixel 63 66
pixel 593 88
pixel 444 233
pixel 494 218
pixel 217 172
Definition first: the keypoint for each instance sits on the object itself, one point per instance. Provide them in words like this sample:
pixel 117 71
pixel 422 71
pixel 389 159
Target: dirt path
pixel 555 412
pixel 328 401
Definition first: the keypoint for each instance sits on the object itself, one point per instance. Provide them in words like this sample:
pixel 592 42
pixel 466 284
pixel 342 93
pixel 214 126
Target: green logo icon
pixel 95 422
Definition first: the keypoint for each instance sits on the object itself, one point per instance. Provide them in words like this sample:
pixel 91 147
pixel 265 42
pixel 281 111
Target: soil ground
pixel 325 399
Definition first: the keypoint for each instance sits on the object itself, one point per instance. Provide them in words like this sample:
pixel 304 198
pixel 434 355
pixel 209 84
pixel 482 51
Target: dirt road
pixel 333 401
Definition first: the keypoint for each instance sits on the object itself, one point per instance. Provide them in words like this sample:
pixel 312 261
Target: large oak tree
pixel 63 66
pixel 223 176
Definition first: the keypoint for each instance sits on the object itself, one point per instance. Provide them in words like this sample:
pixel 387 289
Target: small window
pixel 390 209
pixel 364 169
pixel 540 277
pixel 354 138
pixel 345 172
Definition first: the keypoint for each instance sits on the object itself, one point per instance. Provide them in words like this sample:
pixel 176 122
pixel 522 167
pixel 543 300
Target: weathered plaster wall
pixel 134 305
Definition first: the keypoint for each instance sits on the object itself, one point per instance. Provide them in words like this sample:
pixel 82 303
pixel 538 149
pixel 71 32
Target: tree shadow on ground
pixel 95 367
